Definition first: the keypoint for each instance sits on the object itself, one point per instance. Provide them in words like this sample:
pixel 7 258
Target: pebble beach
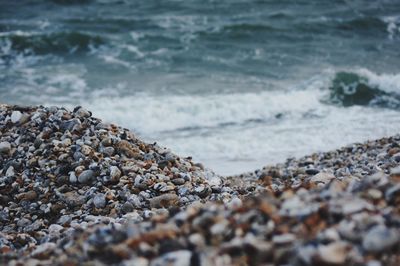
pixel 78 191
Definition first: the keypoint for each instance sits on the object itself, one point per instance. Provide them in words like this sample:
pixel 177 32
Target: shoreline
pixel 76 190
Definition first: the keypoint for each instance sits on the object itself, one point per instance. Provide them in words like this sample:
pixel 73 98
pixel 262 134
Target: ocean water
pixel 234 84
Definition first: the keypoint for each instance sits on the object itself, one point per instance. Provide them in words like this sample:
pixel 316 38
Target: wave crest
pixel 350 88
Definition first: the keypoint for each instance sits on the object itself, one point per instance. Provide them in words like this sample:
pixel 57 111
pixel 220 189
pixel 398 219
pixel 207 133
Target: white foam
pixel 238 150
pixel 184 23
pixel 232 133
pixel 385 82
pixel 110 59
pixel 134 49
pixel 19 33
pixel 136 36
pixel 393 25
pixel 149 114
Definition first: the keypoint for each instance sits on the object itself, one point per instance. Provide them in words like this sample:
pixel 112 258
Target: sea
pixel 236 84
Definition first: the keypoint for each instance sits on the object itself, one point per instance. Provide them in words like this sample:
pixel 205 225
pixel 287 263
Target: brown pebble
pixel 127 148
pixel 164 200
pixel 29 196
pixel 393 151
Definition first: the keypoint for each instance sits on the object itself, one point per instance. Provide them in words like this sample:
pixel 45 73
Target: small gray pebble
pixel 86 176
pixel 127 207
pixel 99 201
pixel 5 147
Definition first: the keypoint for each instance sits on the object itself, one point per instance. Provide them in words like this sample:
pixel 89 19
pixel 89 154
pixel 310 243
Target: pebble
pixel 72 177
pixel 29 196
pixel 283 239
pixel 44 250
pixel 334 253
pixel 81 112
pixel 375 194
pixel 5 147
pixel 176 258
pixel 16 116
pixel 202 191
pixel 86 176
pixel 353 206
pixel 23 222
pixel 127 207
pixel 10 172
pixel 395 171
pixel 323 178
pixel 312 171
pixel 99 200
pixel 115 173
pixel 380 238
pixel 393 193
pixel 55 230
pixel 64 220
pixel 164 200
pixel 109 151
pixel 178 181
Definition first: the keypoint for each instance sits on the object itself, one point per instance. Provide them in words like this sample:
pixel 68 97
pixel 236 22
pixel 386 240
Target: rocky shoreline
pixel 75 190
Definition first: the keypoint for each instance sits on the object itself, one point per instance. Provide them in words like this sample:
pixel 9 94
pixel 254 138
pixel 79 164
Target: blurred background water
pixel 235 84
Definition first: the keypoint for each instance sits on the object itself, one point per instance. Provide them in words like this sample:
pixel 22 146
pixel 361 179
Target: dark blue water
pixel 237 84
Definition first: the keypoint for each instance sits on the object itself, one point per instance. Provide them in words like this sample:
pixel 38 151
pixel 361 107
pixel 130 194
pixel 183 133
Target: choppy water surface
pixel 236 84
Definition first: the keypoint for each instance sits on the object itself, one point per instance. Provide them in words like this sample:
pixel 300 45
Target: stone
pixel 140 182
pixel 395 174
pixel 306 254
pixel 197 240
pixel 395 171
pixel 16 116
pixel 86 150
pixel 99 200
pixel 72 177
pixel 78 156
pixel 375 194
pixel 44 250
pixel 81 112
pixel 55 230
pixel 380 238
pixel 356 205
pixel 170 157
pixel 175 258
pixel 23 222
pixel 283 239
pixel 109 151
pixel 323 178
pixel 178 181
pixel 5 147
pixel 29 196
pixel 73 198
pixel 115 173
pixel 164 200
pixel 10 172
pixel 334 253
pixel 396 157
pixel 393 193
pixel 127 207
pixel 312 171
pixel 86 176
pixel 202 191
pixel 373 263
pixel 64 220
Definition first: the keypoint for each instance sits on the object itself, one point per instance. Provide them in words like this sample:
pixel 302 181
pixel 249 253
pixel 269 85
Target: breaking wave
pixel 349 88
